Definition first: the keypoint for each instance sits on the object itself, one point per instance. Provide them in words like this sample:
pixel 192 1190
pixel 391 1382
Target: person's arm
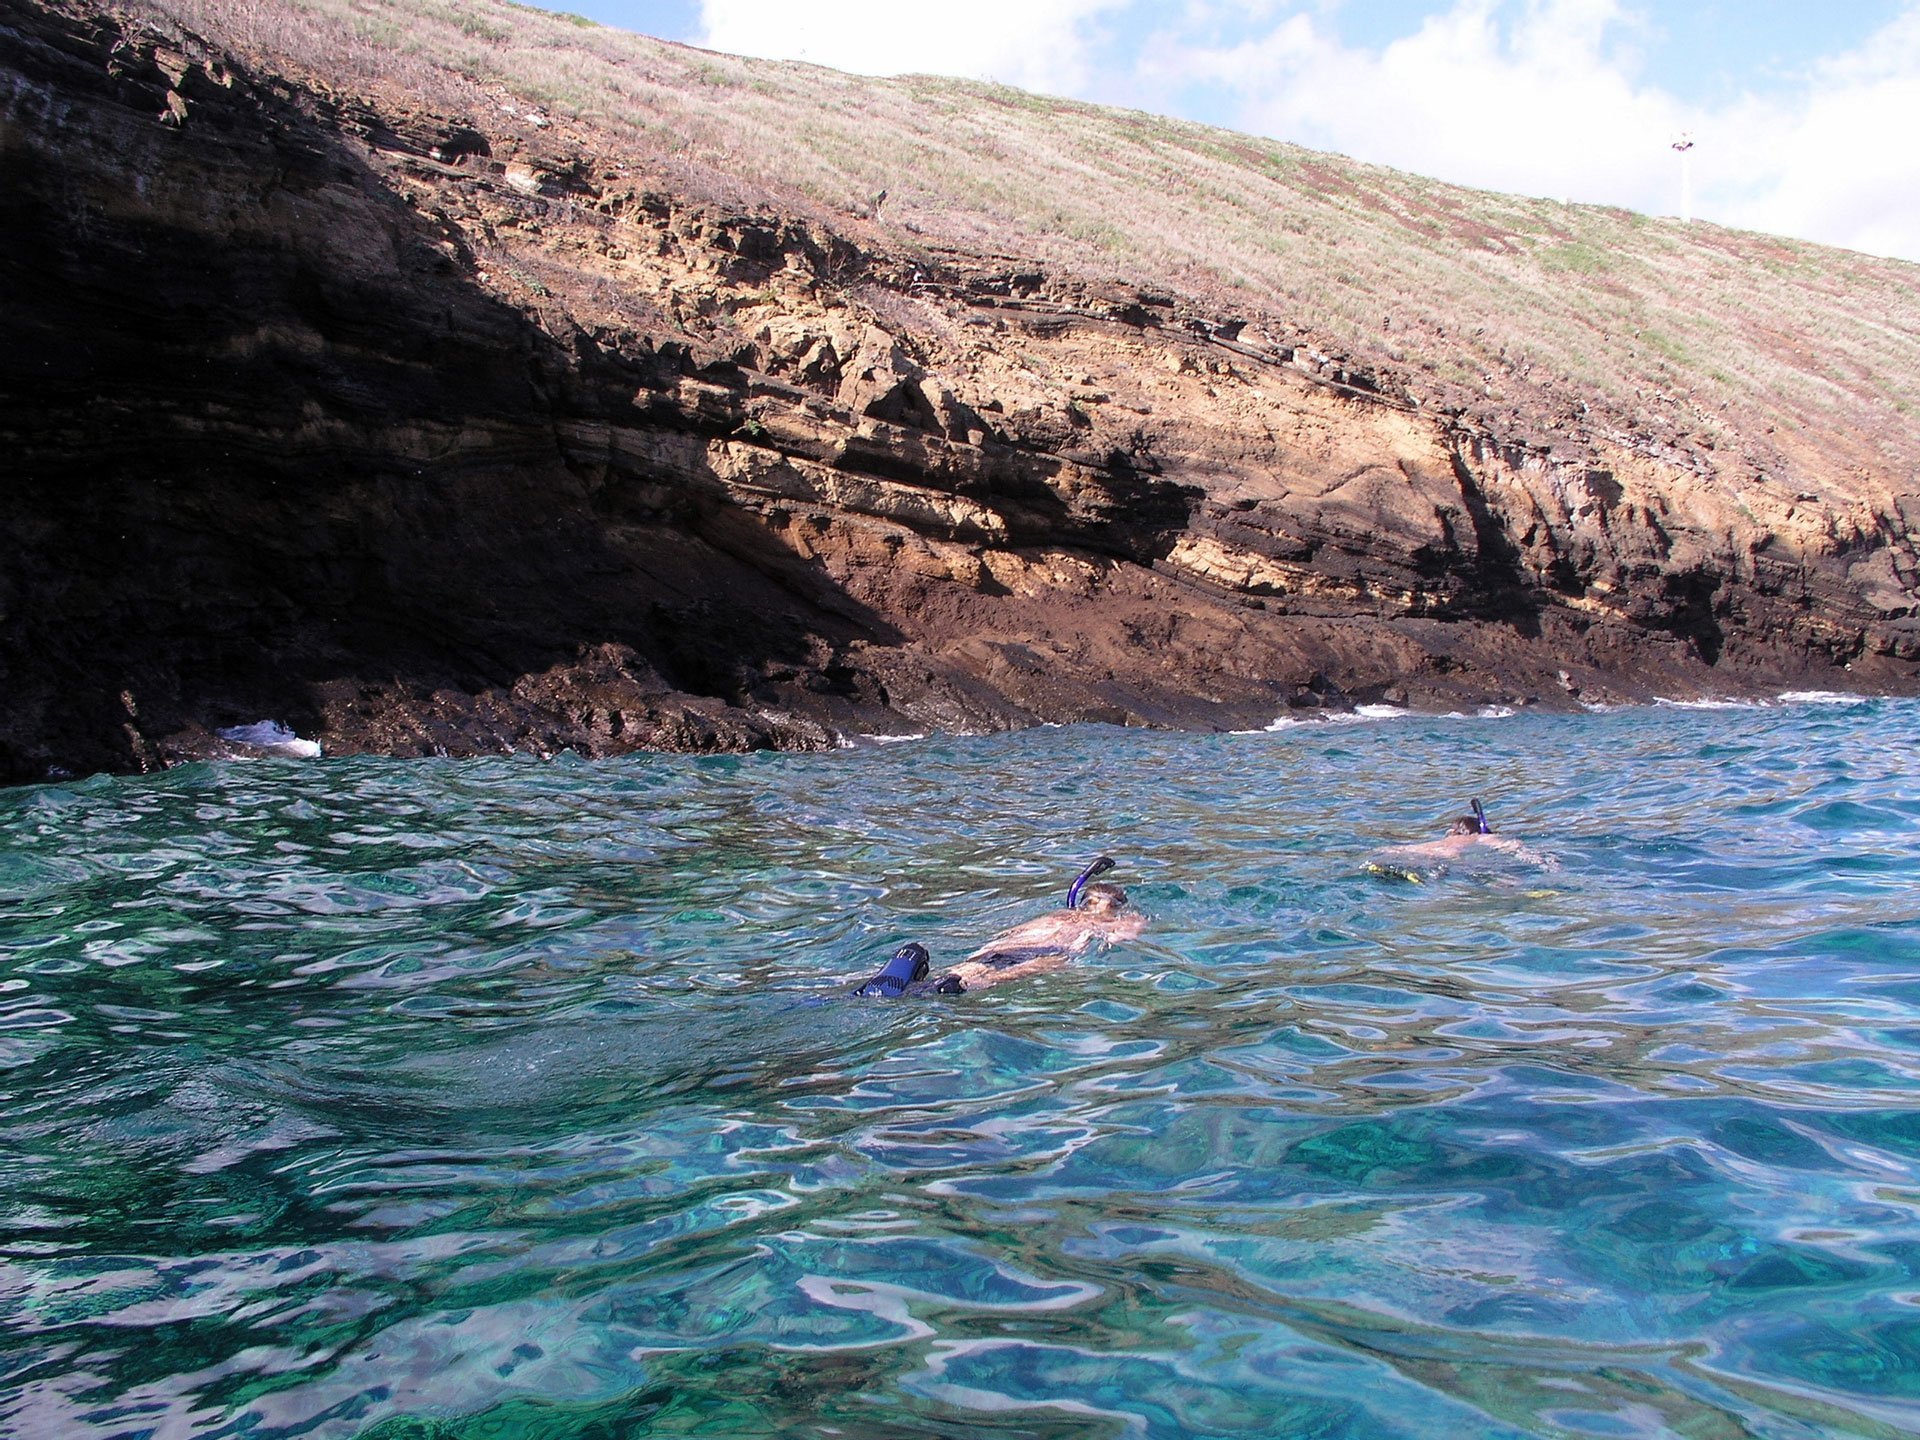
pixel 1529 854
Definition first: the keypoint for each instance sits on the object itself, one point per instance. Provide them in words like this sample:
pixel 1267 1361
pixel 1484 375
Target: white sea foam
pixel 270 737
pixel 1820 697
pixel 857 741
pixel 1709 703
pixel 1294 722
pixel 1592 707
pixel 1785 697
pixel 1358 716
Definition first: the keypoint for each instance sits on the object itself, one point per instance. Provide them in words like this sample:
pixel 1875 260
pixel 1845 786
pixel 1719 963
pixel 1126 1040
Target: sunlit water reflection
pixel 492 1098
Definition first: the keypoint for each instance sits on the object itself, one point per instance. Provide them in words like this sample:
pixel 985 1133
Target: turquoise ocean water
pixel 496 1098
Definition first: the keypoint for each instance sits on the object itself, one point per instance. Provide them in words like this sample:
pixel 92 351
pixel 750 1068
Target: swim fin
pixel 908 964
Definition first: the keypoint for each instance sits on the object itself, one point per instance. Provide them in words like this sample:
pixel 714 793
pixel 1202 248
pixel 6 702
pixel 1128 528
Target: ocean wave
pixel 1366 714
pixel 486 1081
pixel 1822 697
pixel 1708 702
pixel 859 742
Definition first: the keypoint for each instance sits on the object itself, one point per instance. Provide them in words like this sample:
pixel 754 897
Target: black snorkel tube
pixel 1480 814
pixel 908 965
pixel 1085 878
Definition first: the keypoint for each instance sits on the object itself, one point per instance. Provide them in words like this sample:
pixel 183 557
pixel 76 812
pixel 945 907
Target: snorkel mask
pixel 908 965
pixel 1086 878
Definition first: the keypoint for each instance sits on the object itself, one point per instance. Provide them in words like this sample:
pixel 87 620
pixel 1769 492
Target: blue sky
pixel 1805 115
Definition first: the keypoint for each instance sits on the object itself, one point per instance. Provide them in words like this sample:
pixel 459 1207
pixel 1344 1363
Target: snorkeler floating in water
pixel 1095 913
pixel 1469 839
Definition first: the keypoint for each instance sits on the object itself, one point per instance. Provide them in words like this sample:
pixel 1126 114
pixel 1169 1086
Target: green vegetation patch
pixel 1667 346
pixel 578 21
pixel 1577 257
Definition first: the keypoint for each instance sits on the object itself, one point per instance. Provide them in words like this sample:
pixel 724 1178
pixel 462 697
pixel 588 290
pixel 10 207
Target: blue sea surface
pixel 504 1098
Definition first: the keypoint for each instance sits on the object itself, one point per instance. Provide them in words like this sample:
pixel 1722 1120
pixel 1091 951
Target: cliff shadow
pixel 269 431
pixel 1502 591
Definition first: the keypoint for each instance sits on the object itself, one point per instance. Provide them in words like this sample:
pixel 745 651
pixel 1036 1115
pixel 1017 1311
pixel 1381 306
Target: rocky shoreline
pixel 462 434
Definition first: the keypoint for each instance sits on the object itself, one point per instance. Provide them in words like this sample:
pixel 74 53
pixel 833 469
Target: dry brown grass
pixel 1493 300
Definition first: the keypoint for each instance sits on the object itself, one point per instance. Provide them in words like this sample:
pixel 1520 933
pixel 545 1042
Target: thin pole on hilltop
pixel 1683 143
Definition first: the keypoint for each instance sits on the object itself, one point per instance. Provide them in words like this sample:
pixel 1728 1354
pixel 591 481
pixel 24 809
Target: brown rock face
pixel 447 433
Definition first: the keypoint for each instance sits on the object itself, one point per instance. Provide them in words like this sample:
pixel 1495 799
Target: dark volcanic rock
pixel 424 434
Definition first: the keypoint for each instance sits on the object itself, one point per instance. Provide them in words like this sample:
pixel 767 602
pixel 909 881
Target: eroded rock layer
pixel 457 433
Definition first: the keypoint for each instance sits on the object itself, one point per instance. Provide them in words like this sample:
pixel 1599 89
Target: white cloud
pixel 1837 162
pixel 1550 102
pixel 1043 45
pixel 1540 97
pixel 1546 105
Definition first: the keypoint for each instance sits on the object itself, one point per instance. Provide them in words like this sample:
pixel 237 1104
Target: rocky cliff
pixel 432 432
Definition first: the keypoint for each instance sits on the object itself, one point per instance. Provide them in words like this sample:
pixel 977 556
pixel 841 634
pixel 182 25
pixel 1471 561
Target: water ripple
pixel 404 1099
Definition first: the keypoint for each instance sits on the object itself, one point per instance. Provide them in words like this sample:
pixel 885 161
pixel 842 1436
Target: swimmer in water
pixel 1469 839
pixel 1094 914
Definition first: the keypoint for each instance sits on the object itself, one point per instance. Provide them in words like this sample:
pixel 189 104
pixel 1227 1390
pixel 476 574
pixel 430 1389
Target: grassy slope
pixel 1776 355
